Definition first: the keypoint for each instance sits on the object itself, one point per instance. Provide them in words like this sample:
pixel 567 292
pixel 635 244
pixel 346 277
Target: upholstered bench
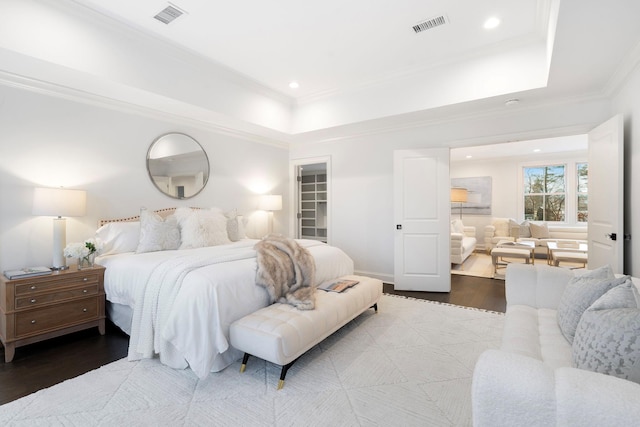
pixel 577 257
pixel 498 252
pixel 280 333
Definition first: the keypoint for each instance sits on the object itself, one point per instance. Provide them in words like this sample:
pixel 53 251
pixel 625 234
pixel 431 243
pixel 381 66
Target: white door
pixel 606 204
pixel 421 213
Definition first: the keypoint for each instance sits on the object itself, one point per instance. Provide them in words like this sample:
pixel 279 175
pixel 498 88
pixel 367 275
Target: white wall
pixel 362 169
pixel 48 141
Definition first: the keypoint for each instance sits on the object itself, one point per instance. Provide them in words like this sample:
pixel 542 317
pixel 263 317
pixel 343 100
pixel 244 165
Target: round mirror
pixel 178 165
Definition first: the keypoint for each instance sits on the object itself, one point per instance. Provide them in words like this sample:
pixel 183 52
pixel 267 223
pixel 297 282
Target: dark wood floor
pixel 44 364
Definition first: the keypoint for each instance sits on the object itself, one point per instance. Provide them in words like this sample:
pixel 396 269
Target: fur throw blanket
pixel 287 271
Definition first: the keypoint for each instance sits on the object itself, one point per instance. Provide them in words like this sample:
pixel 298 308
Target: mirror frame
pixel 204 153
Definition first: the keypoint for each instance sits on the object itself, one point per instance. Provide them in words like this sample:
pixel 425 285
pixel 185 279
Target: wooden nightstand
pixel 38 308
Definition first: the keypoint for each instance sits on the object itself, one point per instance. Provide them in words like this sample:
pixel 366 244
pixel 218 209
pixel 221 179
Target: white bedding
pixel 188 325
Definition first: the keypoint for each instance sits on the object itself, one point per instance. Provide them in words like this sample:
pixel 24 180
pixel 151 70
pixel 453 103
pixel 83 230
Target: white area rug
pixel 409 365
pixel 478 264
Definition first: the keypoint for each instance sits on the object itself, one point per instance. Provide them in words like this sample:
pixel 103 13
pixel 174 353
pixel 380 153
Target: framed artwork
pixel 478 195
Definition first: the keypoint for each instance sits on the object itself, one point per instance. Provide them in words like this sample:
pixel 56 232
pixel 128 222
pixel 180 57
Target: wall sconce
pixel 459 195
pixel 270 203
pixel 59 202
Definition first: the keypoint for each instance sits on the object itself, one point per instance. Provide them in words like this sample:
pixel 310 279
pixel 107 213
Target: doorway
pixel 312 200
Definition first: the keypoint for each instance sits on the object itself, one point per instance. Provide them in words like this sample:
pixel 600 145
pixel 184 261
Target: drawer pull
pixel 84 291
pixel 33 322
pixel 84 310
pixel 33 301
pixel 33 287
pixel 85 279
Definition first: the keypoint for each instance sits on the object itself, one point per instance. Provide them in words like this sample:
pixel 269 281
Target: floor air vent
pixel 430 23
pixel 168 14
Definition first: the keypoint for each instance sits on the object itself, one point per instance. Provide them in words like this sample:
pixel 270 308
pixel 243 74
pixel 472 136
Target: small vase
pixel 86 262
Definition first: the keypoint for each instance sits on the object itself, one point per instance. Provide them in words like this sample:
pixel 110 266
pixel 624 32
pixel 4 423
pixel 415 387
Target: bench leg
pixel 283 373
pixel 375 307
pixel 244 362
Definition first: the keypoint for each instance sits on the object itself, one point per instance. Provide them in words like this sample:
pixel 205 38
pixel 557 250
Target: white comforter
pixel 184 301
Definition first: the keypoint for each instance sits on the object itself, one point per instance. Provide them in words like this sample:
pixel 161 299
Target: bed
pixel 177 302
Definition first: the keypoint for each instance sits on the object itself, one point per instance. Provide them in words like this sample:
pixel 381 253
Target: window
pixel 582 171
pixel 544 193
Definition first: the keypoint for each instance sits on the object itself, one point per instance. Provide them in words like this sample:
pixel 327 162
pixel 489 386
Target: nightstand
pixel 37 308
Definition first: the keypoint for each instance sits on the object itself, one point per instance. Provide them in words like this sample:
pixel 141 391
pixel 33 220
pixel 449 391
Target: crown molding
pixel 220 125
pixel 622 73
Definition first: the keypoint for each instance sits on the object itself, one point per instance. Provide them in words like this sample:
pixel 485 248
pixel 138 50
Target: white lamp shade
pixel 269 202
pixel 59 202
pixel 458 195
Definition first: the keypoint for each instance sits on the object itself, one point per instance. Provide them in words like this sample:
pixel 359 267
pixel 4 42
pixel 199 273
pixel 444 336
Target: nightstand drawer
pixel 56 316
pixel 37 300
pixel 55 281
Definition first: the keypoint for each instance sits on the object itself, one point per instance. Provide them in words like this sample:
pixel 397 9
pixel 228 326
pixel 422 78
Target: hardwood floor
pixel 44 364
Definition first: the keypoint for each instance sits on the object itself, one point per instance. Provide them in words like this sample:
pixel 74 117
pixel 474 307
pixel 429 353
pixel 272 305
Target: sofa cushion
pixel 534 332
pixel 539 231
pixel 525 229
pixel 607 339
pixel 580 293
pixel 502 226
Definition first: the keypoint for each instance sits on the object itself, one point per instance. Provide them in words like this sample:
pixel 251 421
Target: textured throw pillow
pixel 157 234
pixel 525 231
pixel 514 229
pixel 539 231
pixel 235 226
pixel 458 226
pixel 202 227
pixel 608 336
pixel 119 237
pixel 502 226
pixel 580 293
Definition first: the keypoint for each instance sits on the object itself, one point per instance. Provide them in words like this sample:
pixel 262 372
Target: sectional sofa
pixel 570 352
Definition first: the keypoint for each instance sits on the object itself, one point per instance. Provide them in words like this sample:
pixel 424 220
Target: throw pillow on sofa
pixel 539 231
pixel 582 291
pixel 607 339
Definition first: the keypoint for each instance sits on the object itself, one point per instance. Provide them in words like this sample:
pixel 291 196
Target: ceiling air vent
pixel 430 23
pixel 168 14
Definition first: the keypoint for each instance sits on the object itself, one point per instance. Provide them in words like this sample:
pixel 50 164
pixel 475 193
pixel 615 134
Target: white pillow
pixel 458 226
pixel 580 293
pixel 157 234
pixel 119 237
pixel 539 231
pixel 235 226
pixel 502 227
pixel 202 227
pixel 606 339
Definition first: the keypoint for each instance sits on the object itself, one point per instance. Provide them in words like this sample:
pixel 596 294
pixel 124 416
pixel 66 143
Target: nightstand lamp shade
pixel 59 202
pixel 270 203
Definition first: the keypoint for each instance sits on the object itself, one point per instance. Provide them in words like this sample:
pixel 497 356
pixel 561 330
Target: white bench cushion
pixel 280 333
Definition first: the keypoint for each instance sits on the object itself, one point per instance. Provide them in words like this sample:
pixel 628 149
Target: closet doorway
pixel 312 200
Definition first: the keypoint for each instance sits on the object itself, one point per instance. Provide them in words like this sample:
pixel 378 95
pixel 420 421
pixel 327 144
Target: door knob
pixel 612 236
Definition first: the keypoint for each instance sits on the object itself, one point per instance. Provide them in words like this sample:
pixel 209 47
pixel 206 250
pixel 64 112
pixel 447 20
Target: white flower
pixel 84 249
pixel 76 250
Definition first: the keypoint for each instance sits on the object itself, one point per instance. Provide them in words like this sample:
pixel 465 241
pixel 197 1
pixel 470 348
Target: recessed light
pixel 294 85
pixel 469 156
pixel 511 102
pixel 491 23
pixel 536 150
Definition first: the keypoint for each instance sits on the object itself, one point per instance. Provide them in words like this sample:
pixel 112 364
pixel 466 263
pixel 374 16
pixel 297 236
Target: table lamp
pixel 459 195
pixel 270 203
pixel 59 202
